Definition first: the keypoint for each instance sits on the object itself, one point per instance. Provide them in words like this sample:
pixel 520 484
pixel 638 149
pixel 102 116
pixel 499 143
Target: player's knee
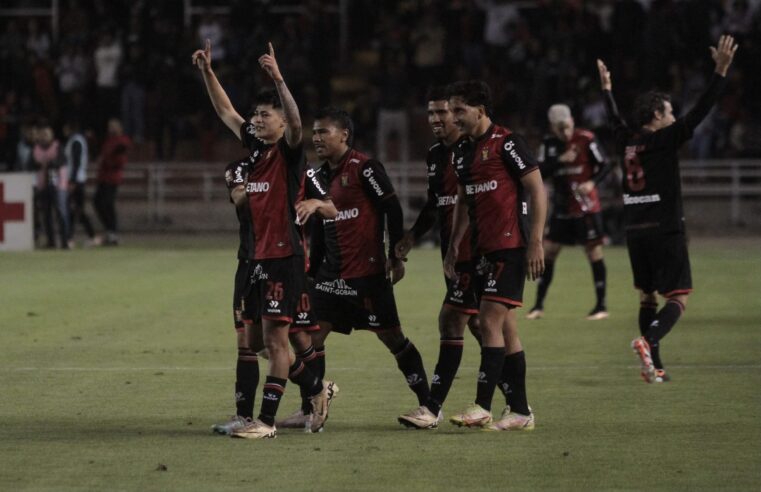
pixel 594 252
pixel 451 323
pixel 391 338
pixel 648 297
pixel 681 299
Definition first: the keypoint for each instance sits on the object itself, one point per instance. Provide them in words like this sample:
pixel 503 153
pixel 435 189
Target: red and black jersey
pixel 351 245
pixel 442 196
pixel 490 169
pixel 652 183
pixel 273 181
pixel 590 164
pixel 235 175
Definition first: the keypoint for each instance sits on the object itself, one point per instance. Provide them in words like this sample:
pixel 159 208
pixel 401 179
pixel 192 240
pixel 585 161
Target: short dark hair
pixel 267 96
pixel 437 93
pixel 339 117
pixel 645 106
pixel 474 93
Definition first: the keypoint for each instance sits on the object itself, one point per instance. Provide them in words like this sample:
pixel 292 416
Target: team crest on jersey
pixel 484 154
pixel 344 180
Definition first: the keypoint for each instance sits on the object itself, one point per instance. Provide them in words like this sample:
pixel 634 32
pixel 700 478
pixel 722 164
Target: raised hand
pixel 202 58
pixel 724 53
pixel 269 64
pixel 605 82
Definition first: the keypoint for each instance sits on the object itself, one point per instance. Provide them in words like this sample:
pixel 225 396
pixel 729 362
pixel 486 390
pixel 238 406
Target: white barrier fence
pixel 193 196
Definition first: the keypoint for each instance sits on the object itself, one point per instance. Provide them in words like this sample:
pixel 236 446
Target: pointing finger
pixel 272 50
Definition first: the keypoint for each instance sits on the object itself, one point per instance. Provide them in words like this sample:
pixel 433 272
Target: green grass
pixel 113 361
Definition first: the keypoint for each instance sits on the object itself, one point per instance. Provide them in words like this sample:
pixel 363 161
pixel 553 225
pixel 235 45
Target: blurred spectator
pixel 37 40
pixel 75 154
pixel 111 162
pixel 52 185
pixel 107 59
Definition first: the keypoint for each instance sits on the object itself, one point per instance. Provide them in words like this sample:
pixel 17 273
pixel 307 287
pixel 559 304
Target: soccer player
pixel 353 275
pixel 276 168
pixel 460 306
pixel 653 212
pixel 572 158
pixel 495 168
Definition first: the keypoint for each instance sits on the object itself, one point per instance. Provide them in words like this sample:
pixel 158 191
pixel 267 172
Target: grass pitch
pixel 115 362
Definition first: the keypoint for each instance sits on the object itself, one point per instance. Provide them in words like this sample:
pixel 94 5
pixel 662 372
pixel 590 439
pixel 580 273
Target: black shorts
pixel 660 263
pixel 242 276
pixel 364 303
pixel 586 230
pixel 503 276
pixel 277 291
pixel 464 294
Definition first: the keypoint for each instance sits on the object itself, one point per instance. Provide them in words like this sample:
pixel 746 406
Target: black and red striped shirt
pixel 442 196
pixel 352 244
pixel 490 169
pixel 272 186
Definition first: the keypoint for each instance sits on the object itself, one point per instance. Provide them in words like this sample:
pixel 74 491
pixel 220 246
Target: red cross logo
pixel 9 211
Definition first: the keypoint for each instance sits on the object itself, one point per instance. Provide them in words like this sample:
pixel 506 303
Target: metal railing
pixel 157 184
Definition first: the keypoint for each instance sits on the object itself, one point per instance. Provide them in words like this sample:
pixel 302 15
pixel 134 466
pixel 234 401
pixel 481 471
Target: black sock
pixel 664 321
pixel 309 356
pixel 411 364
pixel 492 360
pixel 450 355
pixel 514 382
pixel 659 328
pixel 543 283
pixel 246 381
pixel 300 374
pixel 647 311
pixel 598 274
pixel 320 361
pixel 271 394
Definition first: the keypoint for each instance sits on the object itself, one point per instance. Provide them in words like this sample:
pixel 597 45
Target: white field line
pixel 581 368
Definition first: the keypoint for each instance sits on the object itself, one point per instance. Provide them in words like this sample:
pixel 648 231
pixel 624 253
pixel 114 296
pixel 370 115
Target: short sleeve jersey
pixel 490 169
pixel 442 190
pixel 354 239
pixel 567 176
pixel 272 186
pixel 235 175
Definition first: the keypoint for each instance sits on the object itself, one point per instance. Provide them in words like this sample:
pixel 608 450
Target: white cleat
pixel 226 428
pixel 256 429
pixel 421 418
pixel 473 416
pixel 297 420
pixel 511 421
pixel 642 349
pixel 535 314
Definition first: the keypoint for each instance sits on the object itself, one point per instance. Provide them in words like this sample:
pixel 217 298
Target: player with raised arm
pixel 276 293
pixel 460 306
pixel 572 158
pixel 353 275
pixel 495 170
pixel 653 211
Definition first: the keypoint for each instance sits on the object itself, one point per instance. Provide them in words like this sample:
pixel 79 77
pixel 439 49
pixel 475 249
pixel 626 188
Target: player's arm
pixel 378 187
pixel 616 122
pixel 311 206
pixel 523 166
pixel 722 55
pixel 218 96
pixel 293 131
pixel 548 165
pixel 314 199
pixel 76 161
pixel 460 222
pixel 423 224
pixel 602 167
pixel 316 247
pixel 537 203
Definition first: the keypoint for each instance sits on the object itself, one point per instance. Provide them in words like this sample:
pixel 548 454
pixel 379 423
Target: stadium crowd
pixel 128 59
